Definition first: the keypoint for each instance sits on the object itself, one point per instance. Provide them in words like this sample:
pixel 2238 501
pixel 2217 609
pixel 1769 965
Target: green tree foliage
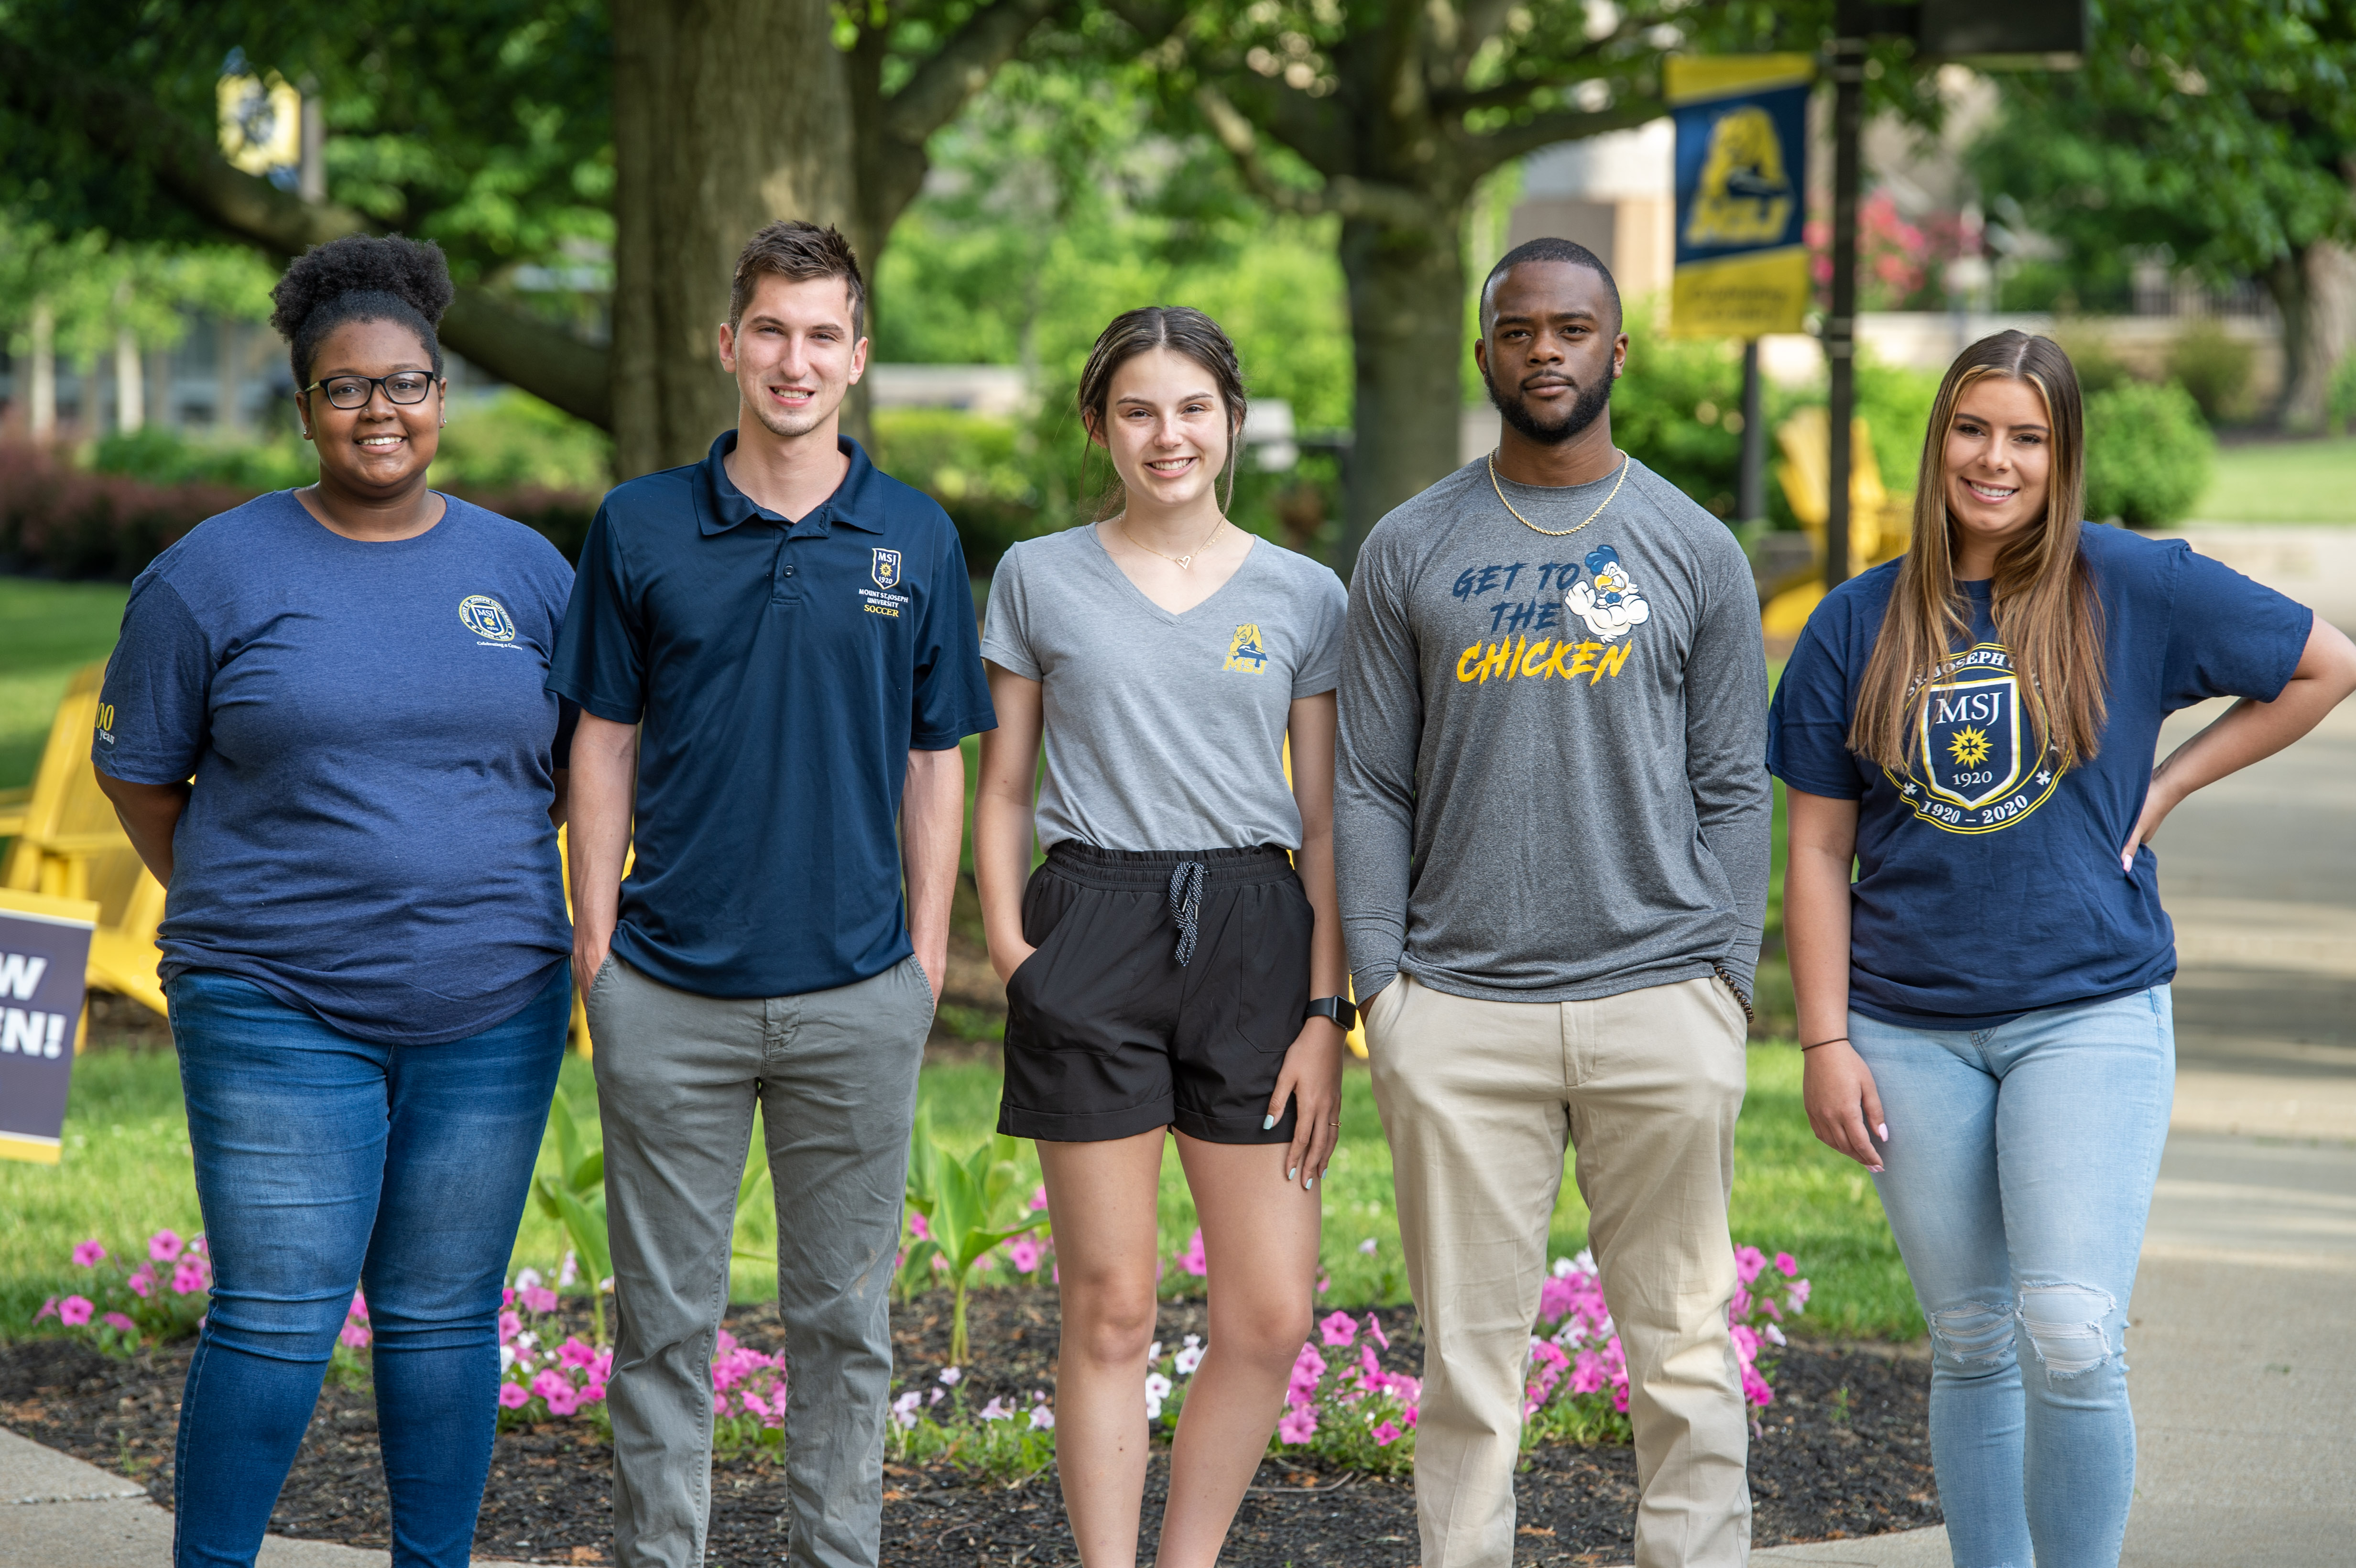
pixel 2223 130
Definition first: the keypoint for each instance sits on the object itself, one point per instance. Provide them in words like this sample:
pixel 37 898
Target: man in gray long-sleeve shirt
pixel 1551 828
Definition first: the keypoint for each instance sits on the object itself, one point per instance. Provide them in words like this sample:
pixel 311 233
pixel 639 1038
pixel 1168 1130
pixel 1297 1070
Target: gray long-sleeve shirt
pixel 1551 784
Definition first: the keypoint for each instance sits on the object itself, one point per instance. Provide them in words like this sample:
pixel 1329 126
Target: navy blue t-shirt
pixel 373 745
pixel 781 673
pixel 1988 881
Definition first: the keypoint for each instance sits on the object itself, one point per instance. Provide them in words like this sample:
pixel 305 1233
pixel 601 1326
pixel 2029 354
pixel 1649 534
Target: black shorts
pixel 1108 1035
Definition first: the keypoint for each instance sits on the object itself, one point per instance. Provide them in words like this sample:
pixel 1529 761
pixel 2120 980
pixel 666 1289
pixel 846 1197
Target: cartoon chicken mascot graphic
pixel 1609 605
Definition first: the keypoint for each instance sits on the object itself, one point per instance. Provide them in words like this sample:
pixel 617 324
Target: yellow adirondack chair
pixel 70 846
pixel 1879 519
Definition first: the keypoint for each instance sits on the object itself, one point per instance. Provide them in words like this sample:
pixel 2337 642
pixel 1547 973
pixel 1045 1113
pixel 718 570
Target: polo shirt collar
pixel 858 500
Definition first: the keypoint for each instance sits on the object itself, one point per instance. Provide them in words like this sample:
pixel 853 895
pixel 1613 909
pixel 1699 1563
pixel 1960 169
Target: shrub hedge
pixel 64 521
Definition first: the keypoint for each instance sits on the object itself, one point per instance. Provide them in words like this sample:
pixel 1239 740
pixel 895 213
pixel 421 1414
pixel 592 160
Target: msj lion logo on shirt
pixel 1976 764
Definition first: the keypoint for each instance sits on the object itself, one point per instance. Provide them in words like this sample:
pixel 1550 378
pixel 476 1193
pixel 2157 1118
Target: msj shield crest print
pixel 1971 737
pixel 887 569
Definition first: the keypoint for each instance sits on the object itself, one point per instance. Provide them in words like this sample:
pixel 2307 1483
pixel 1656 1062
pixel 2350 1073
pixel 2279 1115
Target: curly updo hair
pixel 361 277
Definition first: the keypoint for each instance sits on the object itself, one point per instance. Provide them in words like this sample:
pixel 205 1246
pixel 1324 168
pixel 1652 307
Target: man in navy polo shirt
pixel 779 643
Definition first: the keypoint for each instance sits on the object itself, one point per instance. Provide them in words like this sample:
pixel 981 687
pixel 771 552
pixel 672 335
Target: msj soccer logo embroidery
pixel 887 569
pixel 1245 652
pixel 486 618
pixel 1977 766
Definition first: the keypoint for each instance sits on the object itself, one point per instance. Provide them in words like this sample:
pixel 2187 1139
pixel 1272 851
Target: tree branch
pixel 1343 194
pixel 962 66
pixel 1484 151
pixel 511 344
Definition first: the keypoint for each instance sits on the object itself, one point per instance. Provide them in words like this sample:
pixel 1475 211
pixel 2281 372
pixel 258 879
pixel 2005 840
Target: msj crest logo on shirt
pixel 887 569
pixel 1977 766
pixel 486 618
pixel 1971 737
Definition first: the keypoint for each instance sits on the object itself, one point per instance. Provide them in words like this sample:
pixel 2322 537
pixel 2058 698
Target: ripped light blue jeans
pixel 2016 1178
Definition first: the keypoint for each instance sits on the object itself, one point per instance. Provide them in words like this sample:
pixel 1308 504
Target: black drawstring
pixel 1186 905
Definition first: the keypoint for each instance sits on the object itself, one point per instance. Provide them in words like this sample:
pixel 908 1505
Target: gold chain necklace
pixel 1555 533
pixel 1183 562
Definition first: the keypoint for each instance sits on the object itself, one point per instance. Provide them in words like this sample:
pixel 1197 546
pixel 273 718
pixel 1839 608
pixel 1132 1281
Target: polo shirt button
pixel 789 572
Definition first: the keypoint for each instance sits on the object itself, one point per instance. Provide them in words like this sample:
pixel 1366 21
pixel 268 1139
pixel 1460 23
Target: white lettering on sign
pixel 20 974
pixel 30 1033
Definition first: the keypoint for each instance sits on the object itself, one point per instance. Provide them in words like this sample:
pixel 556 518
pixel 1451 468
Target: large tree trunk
pixel 727 113
pixel 1406 327
pixel 2314 290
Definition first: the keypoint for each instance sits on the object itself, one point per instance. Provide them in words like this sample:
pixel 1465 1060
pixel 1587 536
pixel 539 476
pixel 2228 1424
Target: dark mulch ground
pixel 1845 1451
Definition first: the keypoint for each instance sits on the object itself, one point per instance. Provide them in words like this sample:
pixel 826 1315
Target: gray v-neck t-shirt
pixel 1164 732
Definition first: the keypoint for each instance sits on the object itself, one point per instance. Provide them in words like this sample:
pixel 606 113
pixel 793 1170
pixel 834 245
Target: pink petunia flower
pixel 142 1284
pixel 539 1299
pixel 117 1321
pixel 918 1228
pixel 1338 1329
pixel 164 1246
pixel 563 1400
pixel 514 1396
pixel 1042 1419
pixel 1192 1260
pixel 1298 1425
pixel 89 1254
pixel 1025 1255
pixel 510 1324
pixel 355 1335
pixel 1786 1264
pixel 1386 1434
pixel 48 1309
pixel 187 1278
pixel 1375 1331
pixel 575 1352
pixel 359 1305
pixel 75 1310
pixel 997 1410
pixel 1039 1201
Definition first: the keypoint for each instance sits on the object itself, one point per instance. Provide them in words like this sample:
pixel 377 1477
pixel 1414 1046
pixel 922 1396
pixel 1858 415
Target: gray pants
pixel 677 1076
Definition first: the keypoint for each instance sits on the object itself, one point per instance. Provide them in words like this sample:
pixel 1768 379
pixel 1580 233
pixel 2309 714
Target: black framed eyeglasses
pixel 405 387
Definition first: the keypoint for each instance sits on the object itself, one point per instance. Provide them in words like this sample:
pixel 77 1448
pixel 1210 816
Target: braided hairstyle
pixel 361 277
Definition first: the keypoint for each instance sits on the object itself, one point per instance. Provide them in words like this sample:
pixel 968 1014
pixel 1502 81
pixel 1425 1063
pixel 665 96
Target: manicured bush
pixel 2214 367
pixel 56 520
pixel 2148 455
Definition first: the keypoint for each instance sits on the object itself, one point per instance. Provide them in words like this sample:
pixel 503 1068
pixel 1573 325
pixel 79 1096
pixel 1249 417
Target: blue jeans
pixel 325 1162
pixel 2016 1178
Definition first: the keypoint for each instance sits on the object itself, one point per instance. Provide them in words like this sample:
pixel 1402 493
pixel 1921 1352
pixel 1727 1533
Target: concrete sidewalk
pixel 58 1512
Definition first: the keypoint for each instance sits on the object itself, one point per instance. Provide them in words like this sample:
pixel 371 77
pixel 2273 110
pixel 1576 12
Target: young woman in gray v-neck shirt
pixel 1162 965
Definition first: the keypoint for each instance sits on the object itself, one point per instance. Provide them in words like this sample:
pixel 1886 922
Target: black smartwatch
pixel 1338 1009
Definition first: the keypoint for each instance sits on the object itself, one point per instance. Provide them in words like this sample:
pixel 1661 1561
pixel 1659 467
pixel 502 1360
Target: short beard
pixel 1584 410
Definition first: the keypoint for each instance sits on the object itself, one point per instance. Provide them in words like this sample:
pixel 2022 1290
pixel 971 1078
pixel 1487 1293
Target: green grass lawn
pixel 2283 482
pixel 126 1173
pixel 51 629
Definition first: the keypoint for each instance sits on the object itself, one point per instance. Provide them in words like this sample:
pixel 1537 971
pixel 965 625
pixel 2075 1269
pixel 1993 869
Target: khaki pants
pixel 1478 1099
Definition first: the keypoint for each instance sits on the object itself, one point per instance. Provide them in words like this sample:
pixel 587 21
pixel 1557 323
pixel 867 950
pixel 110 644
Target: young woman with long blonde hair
pixel 1986 1009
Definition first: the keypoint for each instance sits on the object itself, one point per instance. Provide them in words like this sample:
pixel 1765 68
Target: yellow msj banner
pixel 1741 164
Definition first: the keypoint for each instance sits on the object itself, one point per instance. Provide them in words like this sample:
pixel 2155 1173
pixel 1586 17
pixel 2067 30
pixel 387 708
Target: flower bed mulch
pixel 1846 1452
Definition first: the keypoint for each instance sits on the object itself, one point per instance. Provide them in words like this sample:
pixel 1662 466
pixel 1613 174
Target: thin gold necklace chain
pixel 1555 533
pixel 1183 562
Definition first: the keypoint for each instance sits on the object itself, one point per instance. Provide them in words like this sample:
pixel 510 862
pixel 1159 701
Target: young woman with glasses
pixel 329 739
pixel 1985 1007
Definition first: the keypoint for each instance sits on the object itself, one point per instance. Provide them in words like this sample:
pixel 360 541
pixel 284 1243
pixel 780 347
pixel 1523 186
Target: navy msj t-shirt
pixel 373 745
pixel 1988 881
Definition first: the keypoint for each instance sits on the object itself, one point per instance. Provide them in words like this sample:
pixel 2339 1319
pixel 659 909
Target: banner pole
pixel 1751 490
pixel 1840 324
